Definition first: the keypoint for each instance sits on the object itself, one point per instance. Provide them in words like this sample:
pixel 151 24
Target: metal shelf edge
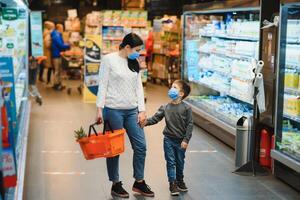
pixel 22 157
pixel 286 160
pixel 208 116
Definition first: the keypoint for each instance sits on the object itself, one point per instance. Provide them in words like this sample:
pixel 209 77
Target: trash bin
pixel 243 141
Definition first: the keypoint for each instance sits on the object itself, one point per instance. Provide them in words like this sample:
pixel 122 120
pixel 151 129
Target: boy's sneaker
pixel 174 189
pixel 143 189
pixel 181 186
pixel 118 191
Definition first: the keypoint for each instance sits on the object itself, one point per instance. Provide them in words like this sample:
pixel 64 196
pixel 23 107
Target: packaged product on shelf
pixel 72 24
pixel 116 18
pixel 293 55
pixel 125 17
pixel 246 48
pixel 242 89
pixel 242 69
pixel 222 107
pixel 291 78
pixel 72 13
pixel 107 18
pixel 133 18
pixel 293 31
pixel 214 80
pixel 299 82
pixel 92 19
pixel 142 20
pixel 292 105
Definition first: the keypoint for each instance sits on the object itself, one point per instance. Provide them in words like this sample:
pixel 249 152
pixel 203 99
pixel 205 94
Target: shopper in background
pixel 149 49
pixel 58 46
pixel 178 132
pixel 121 101
pixel 48 28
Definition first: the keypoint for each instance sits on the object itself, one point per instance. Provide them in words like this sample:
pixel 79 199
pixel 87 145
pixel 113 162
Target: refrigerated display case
pixel 14 48
pixel 220 42
pixel 287 127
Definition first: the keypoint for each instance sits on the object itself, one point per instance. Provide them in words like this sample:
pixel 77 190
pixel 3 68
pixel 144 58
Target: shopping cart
pixel 34 63
pixel 72 63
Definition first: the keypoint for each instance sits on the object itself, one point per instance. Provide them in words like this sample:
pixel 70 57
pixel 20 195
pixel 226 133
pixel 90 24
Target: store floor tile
pixel 56 169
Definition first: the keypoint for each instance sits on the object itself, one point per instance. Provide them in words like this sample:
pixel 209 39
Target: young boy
pixel 178 132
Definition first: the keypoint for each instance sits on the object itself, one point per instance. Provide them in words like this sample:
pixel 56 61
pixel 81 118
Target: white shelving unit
pixel 218 48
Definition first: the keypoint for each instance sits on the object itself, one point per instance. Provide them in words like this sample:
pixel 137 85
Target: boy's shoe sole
pixel 182 190
pixel 142 193
pixel 119 195
pixel 175 193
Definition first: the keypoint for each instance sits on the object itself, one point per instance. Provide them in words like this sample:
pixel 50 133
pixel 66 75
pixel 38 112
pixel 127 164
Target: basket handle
pixel 92 127
pixel 106 122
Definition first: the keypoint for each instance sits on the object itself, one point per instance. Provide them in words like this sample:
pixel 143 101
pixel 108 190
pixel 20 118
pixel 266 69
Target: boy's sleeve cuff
pixel 186 140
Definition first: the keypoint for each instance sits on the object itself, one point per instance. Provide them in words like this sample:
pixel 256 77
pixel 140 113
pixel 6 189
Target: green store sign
pixel 10 13
pixel 10 45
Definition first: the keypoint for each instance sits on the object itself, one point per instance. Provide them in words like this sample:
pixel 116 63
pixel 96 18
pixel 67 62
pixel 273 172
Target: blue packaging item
pixel 192 45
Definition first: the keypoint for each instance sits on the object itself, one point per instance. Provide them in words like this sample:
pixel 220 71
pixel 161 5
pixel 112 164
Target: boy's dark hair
pixel 185 87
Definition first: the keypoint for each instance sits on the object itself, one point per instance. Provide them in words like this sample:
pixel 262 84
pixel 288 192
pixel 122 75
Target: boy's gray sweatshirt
pixel 179 121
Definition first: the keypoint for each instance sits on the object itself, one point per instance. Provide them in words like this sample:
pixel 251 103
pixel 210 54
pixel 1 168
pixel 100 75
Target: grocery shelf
pixel 239 38
pixel 287 160
pixel 228 74
pixel 292 91
pixel 292 66
pixel 112 39
pixel 240 98
pixel 112 25
pixel 227 55
pixel 294 118
pixel 293 41
pixel 211 87
pixel 230 129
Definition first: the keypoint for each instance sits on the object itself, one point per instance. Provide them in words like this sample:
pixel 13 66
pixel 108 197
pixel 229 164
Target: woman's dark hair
pixel 133 40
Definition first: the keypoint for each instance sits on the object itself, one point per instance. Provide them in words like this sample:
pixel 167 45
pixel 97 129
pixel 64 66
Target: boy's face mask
pixel 173 93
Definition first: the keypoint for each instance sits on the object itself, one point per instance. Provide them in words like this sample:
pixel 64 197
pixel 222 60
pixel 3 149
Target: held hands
pixel 142 119
pixel 143 124
pixel 184 145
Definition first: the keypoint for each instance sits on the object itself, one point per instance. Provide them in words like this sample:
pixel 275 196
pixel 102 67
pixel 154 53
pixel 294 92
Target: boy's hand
pixel 184 145
pixel 143 124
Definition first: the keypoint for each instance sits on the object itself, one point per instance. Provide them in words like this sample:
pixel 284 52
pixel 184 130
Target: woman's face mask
pixel 133 56
pixel 134 53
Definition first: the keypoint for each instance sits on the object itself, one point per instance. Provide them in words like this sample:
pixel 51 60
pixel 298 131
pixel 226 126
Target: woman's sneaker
pixel 142 188
pixel 174 189
pixel 118 191
pixel 181 186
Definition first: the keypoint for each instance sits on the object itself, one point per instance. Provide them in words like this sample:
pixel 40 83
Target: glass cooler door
pixel 288 89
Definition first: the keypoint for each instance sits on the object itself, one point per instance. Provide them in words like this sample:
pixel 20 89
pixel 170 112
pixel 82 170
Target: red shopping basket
pixel 103 145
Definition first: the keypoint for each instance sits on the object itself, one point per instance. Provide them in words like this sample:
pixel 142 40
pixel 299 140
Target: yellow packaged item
pixel 291 79
pixel 293 106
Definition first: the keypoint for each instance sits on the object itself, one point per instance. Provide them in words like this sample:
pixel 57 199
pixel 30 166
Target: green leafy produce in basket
pixel 79 134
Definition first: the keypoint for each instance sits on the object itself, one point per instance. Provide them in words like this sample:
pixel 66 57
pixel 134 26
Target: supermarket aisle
pixel 56 169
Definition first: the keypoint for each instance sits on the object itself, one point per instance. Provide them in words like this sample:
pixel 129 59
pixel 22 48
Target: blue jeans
pixel 174 156
pixel 127 119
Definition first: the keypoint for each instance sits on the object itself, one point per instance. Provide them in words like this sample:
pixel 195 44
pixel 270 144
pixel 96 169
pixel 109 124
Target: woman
pixel 49 26
pixel 121 101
